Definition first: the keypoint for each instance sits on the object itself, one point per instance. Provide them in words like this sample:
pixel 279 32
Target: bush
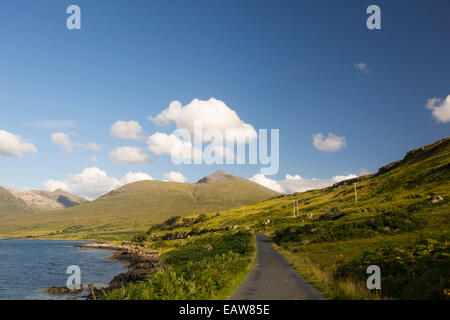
pixel 418 271
pixel 139 238
pixel 196 280
pixel 193 272
pixel 334 230
pixel 238 242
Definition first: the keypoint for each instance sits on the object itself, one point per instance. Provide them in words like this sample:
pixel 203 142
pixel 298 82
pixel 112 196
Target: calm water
pixel 29 266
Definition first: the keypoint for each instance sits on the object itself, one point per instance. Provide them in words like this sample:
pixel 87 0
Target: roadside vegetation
pixel 397 219
pixel 205 266
pixel 400 223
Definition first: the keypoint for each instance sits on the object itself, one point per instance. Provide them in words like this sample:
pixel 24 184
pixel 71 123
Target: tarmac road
pixel 273 278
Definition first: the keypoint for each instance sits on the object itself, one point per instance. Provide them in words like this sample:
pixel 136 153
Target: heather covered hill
pixel 133 206
pixel 400 222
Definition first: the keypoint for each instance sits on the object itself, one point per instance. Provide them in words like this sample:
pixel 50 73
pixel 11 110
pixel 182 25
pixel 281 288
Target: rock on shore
pixel 141 263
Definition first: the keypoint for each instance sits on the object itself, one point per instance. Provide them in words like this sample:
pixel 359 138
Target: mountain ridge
pixel 34 200
pixel 144 202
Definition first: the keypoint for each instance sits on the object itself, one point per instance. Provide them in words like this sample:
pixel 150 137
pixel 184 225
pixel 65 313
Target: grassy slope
pixel 194 272
pixel 120 213
pixel 331 233
pixel 10 206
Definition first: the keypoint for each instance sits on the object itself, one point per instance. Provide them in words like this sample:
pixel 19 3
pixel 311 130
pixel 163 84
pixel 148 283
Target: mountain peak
pixel 218 176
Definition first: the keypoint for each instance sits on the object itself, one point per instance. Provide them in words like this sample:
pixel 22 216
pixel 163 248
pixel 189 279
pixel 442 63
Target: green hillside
pixel 400 223
pixel 118 214
pixel 10 204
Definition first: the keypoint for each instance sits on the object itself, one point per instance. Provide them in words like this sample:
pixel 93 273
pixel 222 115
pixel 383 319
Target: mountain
pixel 141 203
pixel 397 219
pixel 42 200
pixel 11 204
pixel 219 190
pixel 13 201
pixel 410 184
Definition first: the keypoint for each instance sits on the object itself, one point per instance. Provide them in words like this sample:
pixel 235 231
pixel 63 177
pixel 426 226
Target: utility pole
pixel 295 207
pixel 356 194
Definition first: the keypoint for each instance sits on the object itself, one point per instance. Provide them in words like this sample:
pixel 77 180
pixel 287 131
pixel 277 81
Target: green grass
pixel 333 233
pixel 193 272
pixel 134 207
pixel 331 241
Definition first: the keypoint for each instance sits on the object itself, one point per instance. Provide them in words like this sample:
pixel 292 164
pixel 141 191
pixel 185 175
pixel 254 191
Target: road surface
pixel 273 278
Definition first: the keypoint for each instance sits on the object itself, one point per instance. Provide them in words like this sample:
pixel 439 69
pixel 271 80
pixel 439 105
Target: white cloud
pixel 332 143
pixel 90 183
pixel 295 183
pixel 162 143
pixel 62 140
pixel 174 176
pixel 212 114
pixel 268 183
pixel 14 145
pixel 93 182
pixel 131 177
pixel 362 67
pixel 126 130
pixel 129 155
pixel 440 109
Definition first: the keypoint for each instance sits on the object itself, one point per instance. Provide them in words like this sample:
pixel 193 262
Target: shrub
pixel 334 230
pixel 196 280
pixel 139 238
pixel 418 271
pixel 193 272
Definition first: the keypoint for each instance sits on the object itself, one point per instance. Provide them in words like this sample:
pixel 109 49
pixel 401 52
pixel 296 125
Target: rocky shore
pixel 140 262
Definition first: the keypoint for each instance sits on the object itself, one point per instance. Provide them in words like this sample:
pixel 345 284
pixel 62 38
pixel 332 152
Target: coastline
pixel 140 262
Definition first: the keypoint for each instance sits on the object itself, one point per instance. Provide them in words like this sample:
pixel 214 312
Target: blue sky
pixel 287 65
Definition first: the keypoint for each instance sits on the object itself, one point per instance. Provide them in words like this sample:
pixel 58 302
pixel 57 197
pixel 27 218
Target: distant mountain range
pixel 137 203
pixel 120 213
pixel 17 201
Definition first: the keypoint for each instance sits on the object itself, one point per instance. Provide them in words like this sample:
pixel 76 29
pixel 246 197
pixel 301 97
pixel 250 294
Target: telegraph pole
pixel 356 194
pixel 295 207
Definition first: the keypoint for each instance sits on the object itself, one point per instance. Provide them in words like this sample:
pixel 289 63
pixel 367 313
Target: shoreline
pixel 140 264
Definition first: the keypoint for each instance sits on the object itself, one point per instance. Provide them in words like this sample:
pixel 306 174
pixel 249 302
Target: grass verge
pixel 204 267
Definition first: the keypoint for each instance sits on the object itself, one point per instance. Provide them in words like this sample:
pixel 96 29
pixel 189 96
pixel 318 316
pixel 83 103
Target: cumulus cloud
pixel 174 176
pixel 162 143
pixel 14 145
pixel 63 140
pixel 129 155
pixel 131 177
pixel 268 183
pixel 211 114
pixel 90 183
pixel 295 183
pixel 440 109
pixel 93 182
pixel 126 130
pixel 332 143
pixel 362 67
